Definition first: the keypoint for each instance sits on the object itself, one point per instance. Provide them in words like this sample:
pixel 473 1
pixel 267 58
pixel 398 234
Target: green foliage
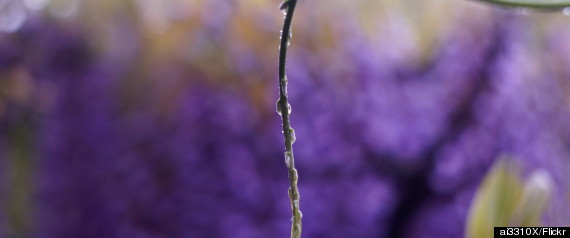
pixel 503 200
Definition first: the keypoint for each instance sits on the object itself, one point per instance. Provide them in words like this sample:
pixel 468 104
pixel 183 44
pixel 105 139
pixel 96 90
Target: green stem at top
pixel 537 4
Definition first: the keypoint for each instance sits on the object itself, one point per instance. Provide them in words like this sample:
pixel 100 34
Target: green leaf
pixel 504 200
pixel 536 194
pixel 495 201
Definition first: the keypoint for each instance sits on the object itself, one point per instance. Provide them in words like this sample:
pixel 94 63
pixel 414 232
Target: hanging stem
pixel 283 108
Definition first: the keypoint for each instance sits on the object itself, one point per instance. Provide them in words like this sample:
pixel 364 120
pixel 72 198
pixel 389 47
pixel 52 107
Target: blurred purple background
pixel 157 119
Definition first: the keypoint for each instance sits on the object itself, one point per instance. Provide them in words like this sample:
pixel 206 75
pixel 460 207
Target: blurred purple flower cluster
pixel 138 144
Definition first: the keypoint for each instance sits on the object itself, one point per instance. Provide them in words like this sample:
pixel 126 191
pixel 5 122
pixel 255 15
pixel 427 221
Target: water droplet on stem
pixel 293 138
pixel 279 106
pixel 288 159
pixel 284 7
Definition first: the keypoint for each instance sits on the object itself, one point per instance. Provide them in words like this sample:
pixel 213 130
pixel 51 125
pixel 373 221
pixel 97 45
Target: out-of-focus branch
pixel 537 4
pixel 284 109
